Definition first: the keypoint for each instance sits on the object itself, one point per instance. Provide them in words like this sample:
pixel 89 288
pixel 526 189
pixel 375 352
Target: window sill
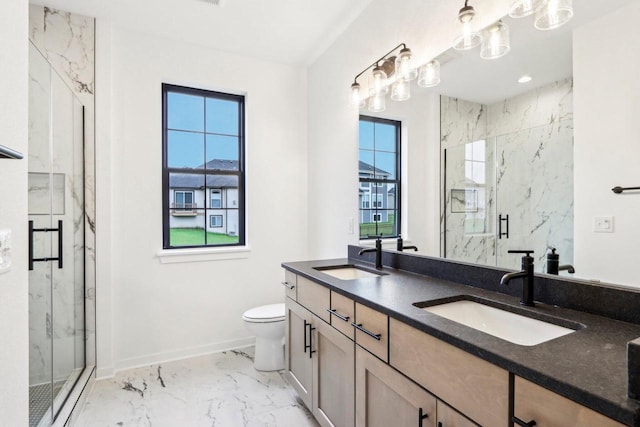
pixel 173 256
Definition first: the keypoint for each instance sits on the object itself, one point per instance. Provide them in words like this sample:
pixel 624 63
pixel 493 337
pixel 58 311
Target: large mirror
pixel 507 149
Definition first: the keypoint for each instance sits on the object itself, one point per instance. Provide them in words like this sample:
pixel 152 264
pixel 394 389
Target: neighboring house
pixel 213 206
pixel 374 197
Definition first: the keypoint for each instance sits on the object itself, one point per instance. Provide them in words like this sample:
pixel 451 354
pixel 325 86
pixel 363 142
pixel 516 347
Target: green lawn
pixel 384 228
pixel 195 236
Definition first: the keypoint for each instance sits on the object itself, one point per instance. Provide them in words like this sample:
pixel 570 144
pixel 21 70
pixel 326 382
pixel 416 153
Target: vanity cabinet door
pixel 298 362
pixel 449 417
pixel 548 409
pixel 473 386
pixel 372 331
pixel 386 398
pixel 333 377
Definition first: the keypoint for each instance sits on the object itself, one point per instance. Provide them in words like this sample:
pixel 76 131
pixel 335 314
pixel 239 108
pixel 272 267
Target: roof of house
pixel 186 180
pixel 365 167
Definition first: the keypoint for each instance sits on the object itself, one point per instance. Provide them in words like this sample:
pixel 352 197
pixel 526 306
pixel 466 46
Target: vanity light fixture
pixel 554 14
pixel 469 37
pixel 429 74
pixel 495 41
pixel 522 8
pixel 388 70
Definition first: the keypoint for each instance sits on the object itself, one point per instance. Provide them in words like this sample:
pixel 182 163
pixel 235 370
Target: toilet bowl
pixel 267 323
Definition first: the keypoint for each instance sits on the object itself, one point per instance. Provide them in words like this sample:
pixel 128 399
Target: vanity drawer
pixel 342 314
pixel 372 331
pixel 473 386
pixel 314 297
pixel 289 284
pixel 547 409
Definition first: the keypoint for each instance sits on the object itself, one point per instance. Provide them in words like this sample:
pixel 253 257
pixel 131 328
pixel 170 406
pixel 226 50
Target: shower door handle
pixel 500 220
pixel 45 230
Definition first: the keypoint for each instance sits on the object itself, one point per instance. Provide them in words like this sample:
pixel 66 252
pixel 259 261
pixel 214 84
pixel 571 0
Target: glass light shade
pixel 404 67
pixel 522 8
pixel 401 90
pixel 469 37
pixel 429 75
pixel 379 81
pixel 554 14
pixel 357 100
pixel 377 103
pixel 495 42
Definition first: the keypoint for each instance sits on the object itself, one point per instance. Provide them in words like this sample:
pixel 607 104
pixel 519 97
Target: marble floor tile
pixel 217 390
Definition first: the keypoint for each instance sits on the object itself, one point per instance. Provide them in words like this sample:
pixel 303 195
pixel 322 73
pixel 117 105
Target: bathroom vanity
pixel 366 347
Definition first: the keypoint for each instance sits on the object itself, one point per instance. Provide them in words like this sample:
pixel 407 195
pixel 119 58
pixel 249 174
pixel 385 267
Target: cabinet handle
pixel 421 416
pixel 288 285
pixel 338 315
pixel 359 327
pixel 305 336
pixel 311 351
pixel 523 423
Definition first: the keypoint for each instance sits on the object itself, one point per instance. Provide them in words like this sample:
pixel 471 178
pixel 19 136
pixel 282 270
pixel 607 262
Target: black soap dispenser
pixel 553 262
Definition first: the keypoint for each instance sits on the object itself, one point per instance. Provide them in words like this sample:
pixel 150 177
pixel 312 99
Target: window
pixel 203 158
pixel 215 221
pixel 366 197
pixel 379 171
pixel 183 201
pixel 216 198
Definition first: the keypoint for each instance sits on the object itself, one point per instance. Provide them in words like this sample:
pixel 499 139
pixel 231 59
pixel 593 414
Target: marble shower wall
pixel 67 42
pixel 528 161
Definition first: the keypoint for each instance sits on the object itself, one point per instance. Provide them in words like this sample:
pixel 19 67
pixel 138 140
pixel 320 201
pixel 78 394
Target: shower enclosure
pixel 512 191
pixel 56 248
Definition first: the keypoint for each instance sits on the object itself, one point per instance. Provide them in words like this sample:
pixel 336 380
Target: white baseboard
pixel 170 356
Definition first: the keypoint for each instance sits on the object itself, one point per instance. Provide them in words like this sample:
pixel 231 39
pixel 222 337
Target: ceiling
pixel 293 32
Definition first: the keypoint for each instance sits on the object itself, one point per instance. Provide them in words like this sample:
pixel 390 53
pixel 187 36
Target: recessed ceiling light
pixel 524 79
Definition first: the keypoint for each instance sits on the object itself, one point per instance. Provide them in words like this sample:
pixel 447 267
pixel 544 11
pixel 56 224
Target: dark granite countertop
pixel 588 366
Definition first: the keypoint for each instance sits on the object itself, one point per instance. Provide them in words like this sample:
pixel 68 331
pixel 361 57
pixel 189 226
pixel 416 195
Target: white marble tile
pixel 219 390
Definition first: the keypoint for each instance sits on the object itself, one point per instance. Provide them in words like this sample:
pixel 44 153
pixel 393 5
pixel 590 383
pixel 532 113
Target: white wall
pixel 14 286
pixel 427 27
pixel 154 311
pixel 607 152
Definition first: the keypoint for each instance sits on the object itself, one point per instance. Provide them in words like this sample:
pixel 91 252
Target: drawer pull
pixel 311 329
pixel 333 312
pixel 521 423
pixel 288 285
pixel 359 327
pixel 421 416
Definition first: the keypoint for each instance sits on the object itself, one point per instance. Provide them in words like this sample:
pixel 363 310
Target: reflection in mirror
pixel 513 188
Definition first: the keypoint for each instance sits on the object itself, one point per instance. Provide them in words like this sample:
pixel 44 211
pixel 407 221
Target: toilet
pixel 267 323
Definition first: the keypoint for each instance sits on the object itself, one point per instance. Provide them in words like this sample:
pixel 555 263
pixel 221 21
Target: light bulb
pixel 379 81
pixel 357 100
pixel 404 67
pixel 401 90
pixel 377 103
pixel 495 43
pixel 468 39
pixel 429 74
pixel 554 14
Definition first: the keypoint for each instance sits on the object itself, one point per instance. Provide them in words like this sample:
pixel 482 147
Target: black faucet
pixel 527 277
pixel 400 245
pixel 553 264
pixel 377 250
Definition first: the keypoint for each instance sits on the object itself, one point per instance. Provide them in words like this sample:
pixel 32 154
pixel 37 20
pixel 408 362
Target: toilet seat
pixel 265 314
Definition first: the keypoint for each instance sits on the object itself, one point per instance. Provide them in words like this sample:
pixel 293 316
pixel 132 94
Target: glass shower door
pixel 56 251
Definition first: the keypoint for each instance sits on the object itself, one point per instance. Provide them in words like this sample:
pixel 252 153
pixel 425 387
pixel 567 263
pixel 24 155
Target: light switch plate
pixel 603 224
pixel 5 251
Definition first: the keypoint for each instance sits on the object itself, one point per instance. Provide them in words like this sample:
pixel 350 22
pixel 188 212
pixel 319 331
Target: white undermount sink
pixel 347 272
pixel 503 324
